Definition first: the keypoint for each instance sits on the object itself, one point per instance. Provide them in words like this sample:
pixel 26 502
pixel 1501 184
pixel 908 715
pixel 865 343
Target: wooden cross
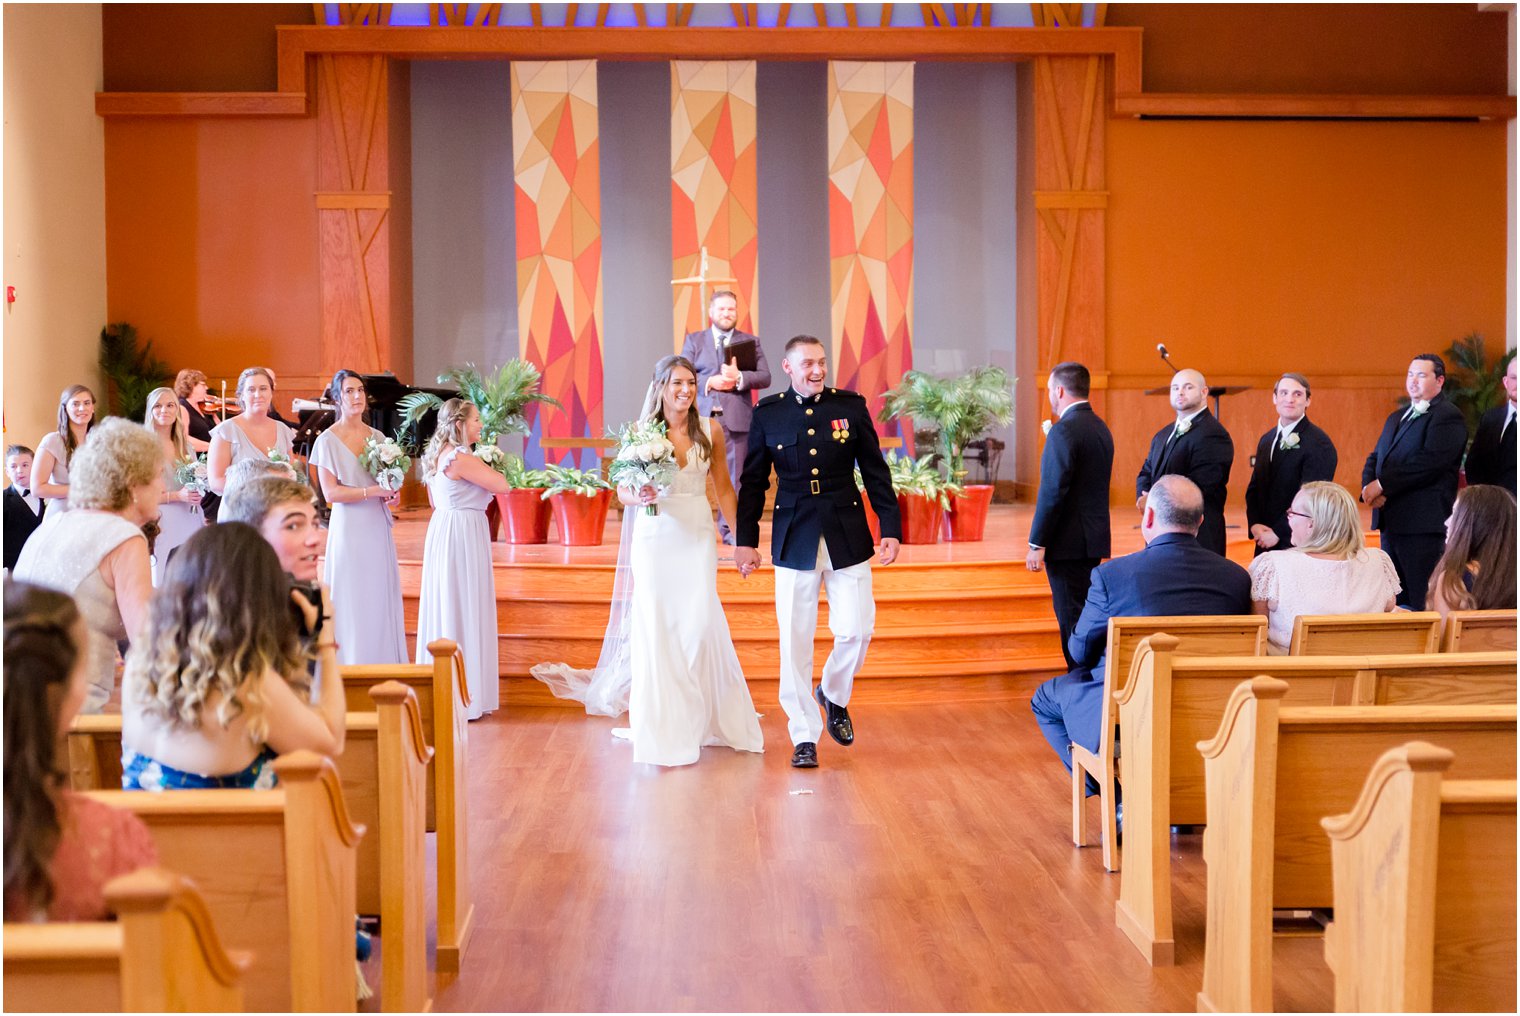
pixel 701 279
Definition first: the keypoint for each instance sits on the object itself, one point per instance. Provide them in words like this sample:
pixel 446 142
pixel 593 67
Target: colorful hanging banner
pixel 712 188
pixel 871 225
pixel 559 246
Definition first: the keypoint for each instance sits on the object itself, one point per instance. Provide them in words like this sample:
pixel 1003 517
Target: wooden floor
pixel 929 868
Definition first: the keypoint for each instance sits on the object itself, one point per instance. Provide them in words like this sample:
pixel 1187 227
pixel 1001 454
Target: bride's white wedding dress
pixel 678 675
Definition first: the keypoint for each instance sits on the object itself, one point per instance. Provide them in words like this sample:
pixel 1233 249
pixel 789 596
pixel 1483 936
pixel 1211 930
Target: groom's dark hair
pixel 802 340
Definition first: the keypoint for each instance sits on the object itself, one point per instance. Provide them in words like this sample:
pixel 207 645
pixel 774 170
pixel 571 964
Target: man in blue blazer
pixel 724 387
pixel 1197 446
pixel 1291 454
pixel 1410 479
pixel 1070 534
pixel 1173 575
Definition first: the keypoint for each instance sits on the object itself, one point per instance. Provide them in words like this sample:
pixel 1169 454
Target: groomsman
pixel 1492 458
pixel 1288 456
pixel 815 437
pixel 1197 446
pixel 1070 535
pixel 23 509
pixel 722 386
pixel 1410 479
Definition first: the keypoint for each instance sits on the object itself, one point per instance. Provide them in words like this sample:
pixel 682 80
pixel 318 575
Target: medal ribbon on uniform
pixel 841 429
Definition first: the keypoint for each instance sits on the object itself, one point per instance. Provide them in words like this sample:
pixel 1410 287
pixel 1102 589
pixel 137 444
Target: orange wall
pixel 1338 250
pixel 211 242
pixel 166 47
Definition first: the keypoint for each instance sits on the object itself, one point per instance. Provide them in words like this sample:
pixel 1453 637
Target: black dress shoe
pixel 840 727
pixel 805 756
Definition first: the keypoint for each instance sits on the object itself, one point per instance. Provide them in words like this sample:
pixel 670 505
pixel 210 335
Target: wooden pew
pixel 1200 636
pixel 277 869
pixel 1477 631
pixel 162 954
pixel 1170 703
pixel 442 695
pixel 1424 874
pixel 1398 631
pixel 1265 850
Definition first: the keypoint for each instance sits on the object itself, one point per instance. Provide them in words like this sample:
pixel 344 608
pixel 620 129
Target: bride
pixel 667 657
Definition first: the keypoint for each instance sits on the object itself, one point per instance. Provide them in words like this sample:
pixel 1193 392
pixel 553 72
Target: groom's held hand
pixel 888 550
pixel 748 559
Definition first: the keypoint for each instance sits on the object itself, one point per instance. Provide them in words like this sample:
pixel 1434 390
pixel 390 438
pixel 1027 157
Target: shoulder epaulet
pixel 847 394
pixel 771 399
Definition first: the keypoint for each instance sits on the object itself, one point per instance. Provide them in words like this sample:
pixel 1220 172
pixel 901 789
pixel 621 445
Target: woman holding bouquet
pixel 179 512
pixel 361 564
pixel 668 658
pixel 252 433
pixel 458 597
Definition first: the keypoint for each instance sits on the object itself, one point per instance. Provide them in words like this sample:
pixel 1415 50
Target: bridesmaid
pixel 50 466
pixel 179 511
pixel 361 566
pixel 458 598
pixel 251 434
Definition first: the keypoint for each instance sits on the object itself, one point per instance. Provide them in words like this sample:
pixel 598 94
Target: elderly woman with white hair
pixel 1330 569
pixel 96 551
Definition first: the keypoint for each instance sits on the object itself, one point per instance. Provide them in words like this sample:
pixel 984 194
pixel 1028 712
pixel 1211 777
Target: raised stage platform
pixel 948 609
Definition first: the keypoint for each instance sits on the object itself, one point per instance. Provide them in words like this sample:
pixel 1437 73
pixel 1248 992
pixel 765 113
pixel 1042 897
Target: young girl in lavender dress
pixel 458 599
pixel 361 566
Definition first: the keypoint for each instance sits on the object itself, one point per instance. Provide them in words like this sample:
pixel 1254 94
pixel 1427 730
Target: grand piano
pixel 385 391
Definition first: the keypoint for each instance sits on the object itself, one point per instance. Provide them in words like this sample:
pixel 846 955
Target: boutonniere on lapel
pixel 1420 407
pixel 1289 441
pixel 1045 426
pixel 1183 426
pixel 841 430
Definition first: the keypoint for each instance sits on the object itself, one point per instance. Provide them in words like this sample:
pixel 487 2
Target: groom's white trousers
pixel 852 618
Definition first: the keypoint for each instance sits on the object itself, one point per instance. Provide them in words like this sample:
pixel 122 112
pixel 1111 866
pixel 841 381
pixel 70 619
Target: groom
pixel 815 437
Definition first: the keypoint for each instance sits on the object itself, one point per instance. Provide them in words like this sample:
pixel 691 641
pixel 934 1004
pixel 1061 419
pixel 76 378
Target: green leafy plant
pixel 131 372
pixel 920 476
pixel 1474 385
pixel 569 480
pixel 500 396
pixel 520 477
pixel 960 409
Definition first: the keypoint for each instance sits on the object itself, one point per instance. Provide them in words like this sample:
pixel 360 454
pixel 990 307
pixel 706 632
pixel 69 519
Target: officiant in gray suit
pixel 724 390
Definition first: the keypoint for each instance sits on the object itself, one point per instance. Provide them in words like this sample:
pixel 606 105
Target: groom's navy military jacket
pixel 815 443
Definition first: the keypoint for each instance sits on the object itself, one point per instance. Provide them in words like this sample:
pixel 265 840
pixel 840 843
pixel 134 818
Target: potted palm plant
pixel 923 497
pixel 579 499
pixel 960 410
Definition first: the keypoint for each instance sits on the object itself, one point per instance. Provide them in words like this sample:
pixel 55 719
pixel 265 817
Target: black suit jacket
pixel 1492 460
pixel 1278 474
pixel 20 523
pixel 1204 455
pixel 1417 463
pixel 738 409
pixel 1173 575
pixel 1071 519
pixel 815 463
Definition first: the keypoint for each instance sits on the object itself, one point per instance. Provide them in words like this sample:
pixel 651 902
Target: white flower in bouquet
pixel 386 461
pixel 491 456
pixel 645 458
pixel 192 473
pixel 279 458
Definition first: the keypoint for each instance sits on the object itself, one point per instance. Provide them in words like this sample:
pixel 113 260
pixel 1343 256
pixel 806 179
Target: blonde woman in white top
pixel 1330 569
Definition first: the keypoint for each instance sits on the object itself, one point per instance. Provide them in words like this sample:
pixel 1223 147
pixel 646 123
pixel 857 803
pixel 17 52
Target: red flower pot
pixel 525 515
pixel 872 519
pixel 966 521
pixel 580 519
pixel 493 518
pixel 922 518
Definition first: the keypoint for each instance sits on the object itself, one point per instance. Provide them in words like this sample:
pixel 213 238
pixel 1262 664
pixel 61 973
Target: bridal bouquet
pixel 385 460
pixel 279 458
pixel 192 472
pixel 645 458
pixel 494 457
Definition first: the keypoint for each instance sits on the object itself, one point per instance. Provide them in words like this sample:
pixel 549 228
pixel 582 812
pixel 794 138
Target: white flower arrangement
pixel 492 456
pixel 386 461
pixel 192 472
pixel 1289 441
pixel 1183 426
pixel 1045 426
pixel 645 458
pixel 1420 406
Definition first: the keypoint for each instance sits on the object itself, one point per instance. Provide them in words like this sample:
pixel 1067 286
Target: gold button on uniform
pixel 778 448
pixel 812 451
pixel 815 470
pixel 809 412
pixel 810 432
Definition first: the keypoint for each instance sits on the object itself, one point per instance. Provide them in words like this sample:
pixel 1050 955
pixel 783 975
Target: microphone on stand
pixel 1161 348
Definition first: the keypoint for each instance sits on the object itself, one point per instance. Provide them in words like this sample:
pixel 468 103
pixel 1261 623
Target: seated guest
pixel 217 686
pixel 1330 569
pixel 1173 575
pixel 281 510
pixel 1291 454
pixel 1492 456
pixel 253 434
pixel 97 552
pixel 190 388
pixel 23 507
pixel 55 452
pixel 61 848
pixel 1477 571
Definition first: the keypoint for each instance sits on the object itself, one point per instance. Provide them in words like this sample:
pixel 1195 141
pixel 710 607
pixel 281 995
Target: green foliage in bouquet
pixel 131 372
pixel 960 409
pixel 921 476
pixel 501 396
pixel 569 480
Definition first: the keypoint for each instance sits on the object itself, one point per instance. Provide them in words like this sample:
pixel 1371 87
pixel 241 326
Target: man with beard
pixel 1197 446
